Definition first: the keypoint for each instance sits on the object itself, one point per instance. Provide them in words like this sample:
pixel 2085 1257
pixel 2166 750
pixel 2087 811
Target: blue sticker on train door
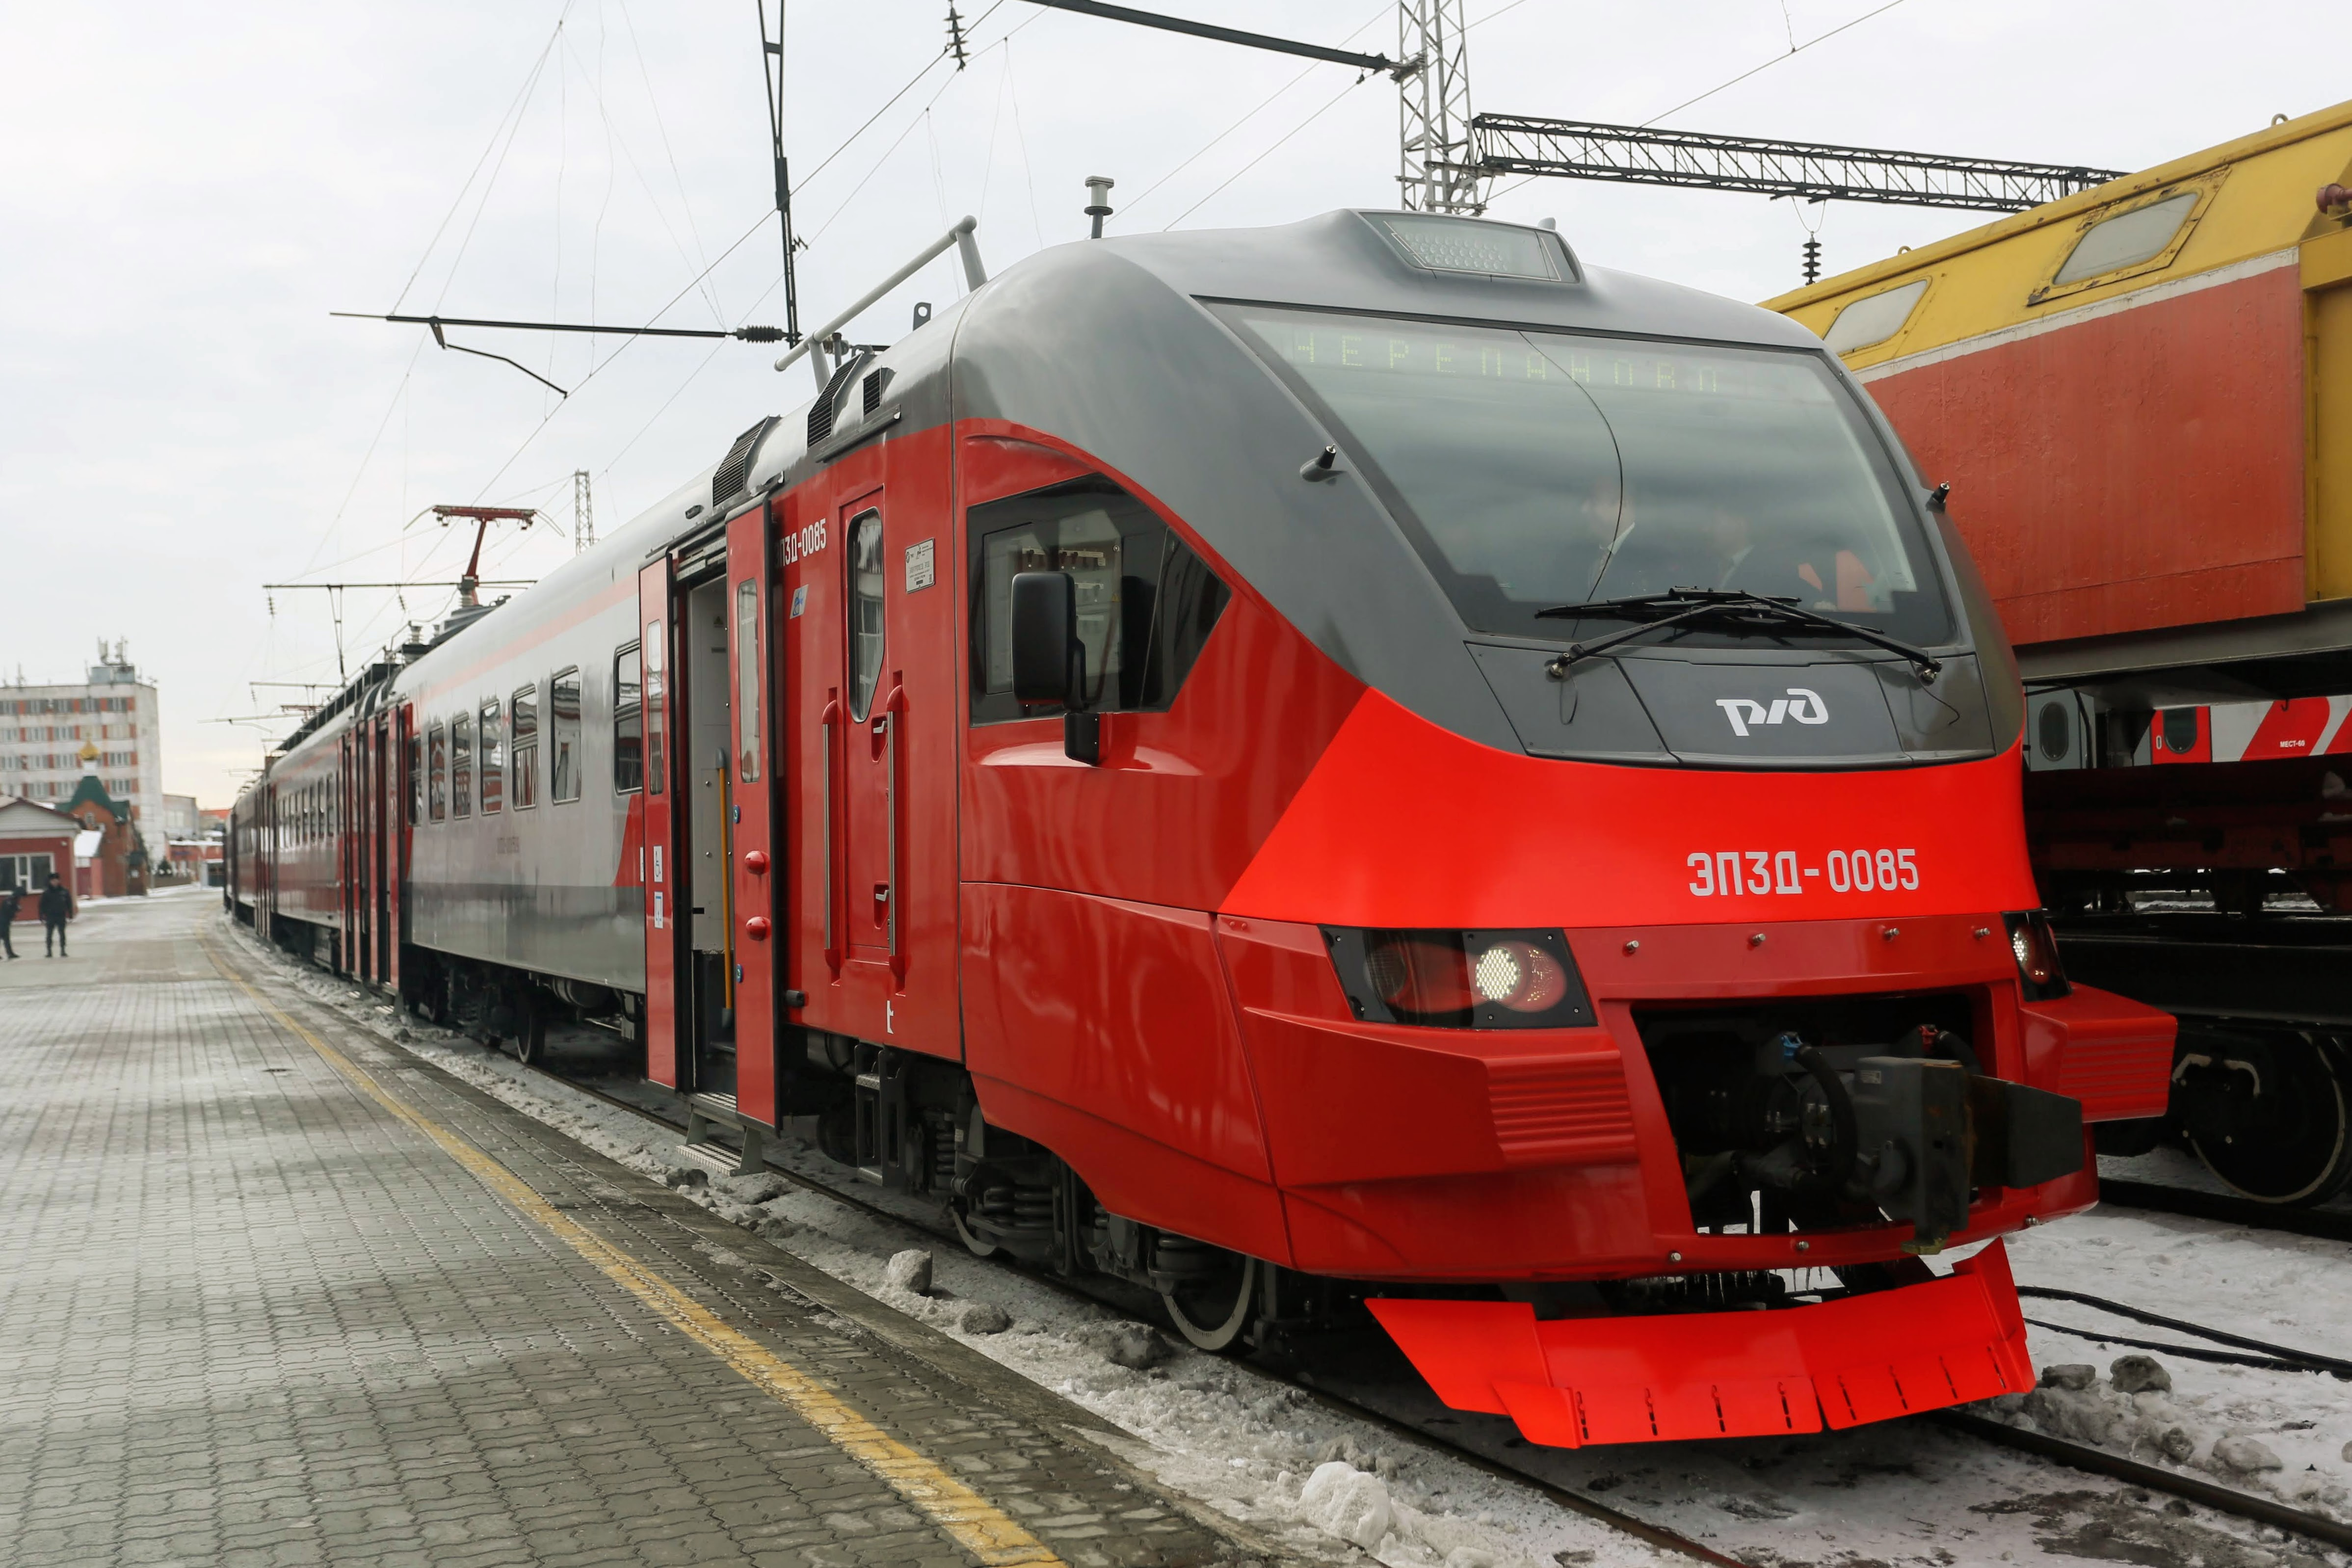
pixel 800 602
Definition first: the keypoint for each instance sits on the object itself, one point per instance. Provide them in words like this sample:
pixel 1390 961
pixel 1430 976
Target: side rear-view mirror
pixel 1049 662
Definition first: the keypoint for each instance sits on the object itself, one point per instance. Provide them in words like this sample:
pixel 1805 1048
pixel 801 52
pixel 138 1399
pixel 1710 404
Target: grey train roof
pixel 1107 344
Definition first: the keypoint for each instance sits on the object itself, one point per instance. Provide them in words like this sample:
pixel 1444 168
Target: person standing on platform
pixel 56 908
pixel 8 903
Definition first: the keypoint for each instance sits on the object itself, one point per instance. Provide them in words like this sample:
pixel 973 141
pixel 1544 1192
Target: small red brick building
pixel 112 861
pixel 36 842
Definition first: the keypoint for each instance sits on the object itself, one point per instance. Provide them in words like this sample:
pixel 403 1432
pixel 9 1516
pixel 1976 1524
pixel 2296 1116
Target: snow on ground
pixel 2291 1291
pixel 1266 1452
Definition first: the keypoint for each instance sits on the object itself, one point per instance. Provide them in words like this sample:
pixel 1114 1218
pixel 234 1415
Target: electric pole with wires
pixel 1438 170
pixel 771 75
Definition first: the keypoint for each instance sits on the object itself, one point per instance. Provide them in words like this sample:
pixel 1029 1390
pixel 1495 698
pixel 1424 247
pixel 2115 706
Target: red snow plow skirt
pixel 1575 1381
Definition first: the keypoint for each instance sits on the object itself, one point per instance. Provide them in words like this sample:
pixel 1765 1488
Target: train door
pixel 702 803
pixel 349 852
pixel 660 875
pixel 347 834
pixel 751 885
pixel 402 787
pixel 383 801
pixel 869 747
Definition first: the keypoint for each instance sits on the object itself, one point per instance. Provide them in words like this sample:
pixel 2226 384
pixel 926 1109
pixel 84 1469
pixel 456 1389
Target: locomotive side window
pixel 494 759
pixel 461 765
pixel 1146 600
pixel 415 781
pixel 436 789
pixel 526 748
pixel 628 723
pixel 865 612
pixel 563 736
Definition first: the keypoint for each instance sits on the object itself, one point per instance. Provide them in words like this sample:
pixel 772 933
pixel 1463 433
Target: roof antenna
pixel 1098 188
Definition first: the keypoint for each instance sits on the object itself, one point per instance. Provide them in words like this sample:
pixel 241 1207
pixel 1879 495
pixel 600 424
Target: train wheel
pixel 1214 1311
pixel 2269 1115
pixel 531 1036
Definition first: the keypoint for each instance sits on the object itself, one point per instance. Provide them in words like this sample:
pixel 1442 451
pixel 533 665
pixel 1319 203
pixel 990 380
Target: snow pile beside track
pixel 1218 1431
pixel 2281 1434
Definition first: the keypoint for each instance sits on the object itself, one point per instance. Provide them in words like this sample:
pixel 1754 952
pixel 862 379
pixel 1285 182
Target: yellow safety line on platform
pixel 974 1523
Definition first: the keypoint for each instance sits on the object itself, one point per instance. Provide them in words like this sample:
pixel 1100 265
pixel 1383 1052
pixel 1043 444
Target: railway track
pixel 2193 1490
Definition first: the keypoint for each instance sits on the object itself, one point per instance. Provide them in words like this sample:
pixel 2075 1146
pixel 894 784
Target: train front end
pixel 1635 960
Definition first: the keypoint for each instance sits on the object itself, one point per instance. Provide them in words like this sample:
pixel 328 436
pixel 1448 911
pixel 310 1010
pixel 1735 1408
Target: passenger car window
pixel 526 748
pixel 2126 239
pixel 865 611
pixel 1146 600
pixel 1874 319
pixel 437 792
pixel 628 723
pixel 494 759
pixel 461 765
pixel 416 780
pixel 563 736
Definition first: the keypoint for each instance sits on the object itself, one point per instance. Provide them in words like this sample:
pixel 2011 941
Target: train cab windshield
pixel 1540 468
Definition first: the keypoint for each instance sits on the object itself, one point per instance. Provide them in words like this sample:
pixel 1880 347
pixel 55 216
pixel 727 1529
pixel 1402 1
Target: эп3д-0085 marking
pixel 1222 809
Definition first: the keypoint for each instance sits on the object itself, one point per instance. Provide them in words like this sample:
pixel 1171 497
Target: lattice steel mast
pixel 1438 170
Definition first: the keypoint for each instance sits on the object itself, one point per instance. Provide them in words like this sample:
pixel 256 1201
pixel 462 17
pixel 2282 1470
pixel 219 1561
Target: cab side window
pixel 1145 600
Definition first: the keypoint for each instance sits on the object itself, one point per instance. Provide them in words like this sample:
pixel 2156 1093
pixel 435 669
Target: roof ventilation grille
pixel 734 475
pixel 875 381
pixel 820 420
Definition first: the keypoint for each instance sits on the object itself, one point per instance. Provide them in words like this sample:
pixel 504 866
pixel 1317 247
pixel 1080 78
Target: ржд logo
pixel 1807 707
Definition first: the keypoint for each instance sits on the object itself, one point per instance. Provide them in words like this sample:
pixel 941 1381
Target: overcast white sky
pixel 186 192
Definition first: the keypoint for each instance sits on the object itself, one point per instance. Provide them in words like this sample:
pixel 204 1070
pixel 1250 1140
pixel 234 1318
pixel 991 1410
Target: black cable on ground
pixel 2188 1352
pixel 2303 1359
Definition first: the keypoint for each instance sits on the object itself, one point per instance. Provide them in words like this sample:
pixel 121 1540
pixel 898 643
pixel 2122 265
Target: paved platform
pixel 272 1291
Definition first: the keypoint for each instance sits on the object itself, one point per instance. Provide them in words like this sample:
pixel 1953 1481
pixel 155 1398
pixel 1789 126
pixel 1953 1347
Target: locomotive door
pixel 659 874
pixel 751 880
pixel 870 704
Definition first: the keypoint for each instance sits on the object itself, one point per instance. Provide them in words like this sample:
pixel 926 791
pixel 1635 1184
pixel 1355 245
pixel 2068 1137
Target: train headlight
pixel 1519 975
pixel 1460 980
pixel 2031 941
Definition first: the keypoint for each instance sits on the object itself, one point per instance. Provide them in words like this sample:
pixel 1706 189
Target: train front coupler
pixel 1794 1134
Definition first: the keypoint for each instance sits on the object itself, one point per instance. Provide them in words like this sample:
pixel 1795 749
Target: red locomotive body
pixel 1481 779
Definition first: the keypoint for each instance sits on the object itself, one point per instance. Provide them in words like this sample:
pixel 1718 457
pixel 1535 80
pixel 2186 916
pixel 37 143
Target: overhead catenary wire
pixel 1719 87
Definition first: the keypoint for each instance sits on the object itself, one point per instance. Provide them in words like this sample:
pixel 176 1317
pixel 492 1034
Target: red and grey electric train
pixel 1366 760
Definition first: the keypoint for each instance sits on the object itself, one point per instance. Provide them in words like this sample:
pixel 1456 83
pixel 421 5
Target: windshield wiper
pixel 1677 606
